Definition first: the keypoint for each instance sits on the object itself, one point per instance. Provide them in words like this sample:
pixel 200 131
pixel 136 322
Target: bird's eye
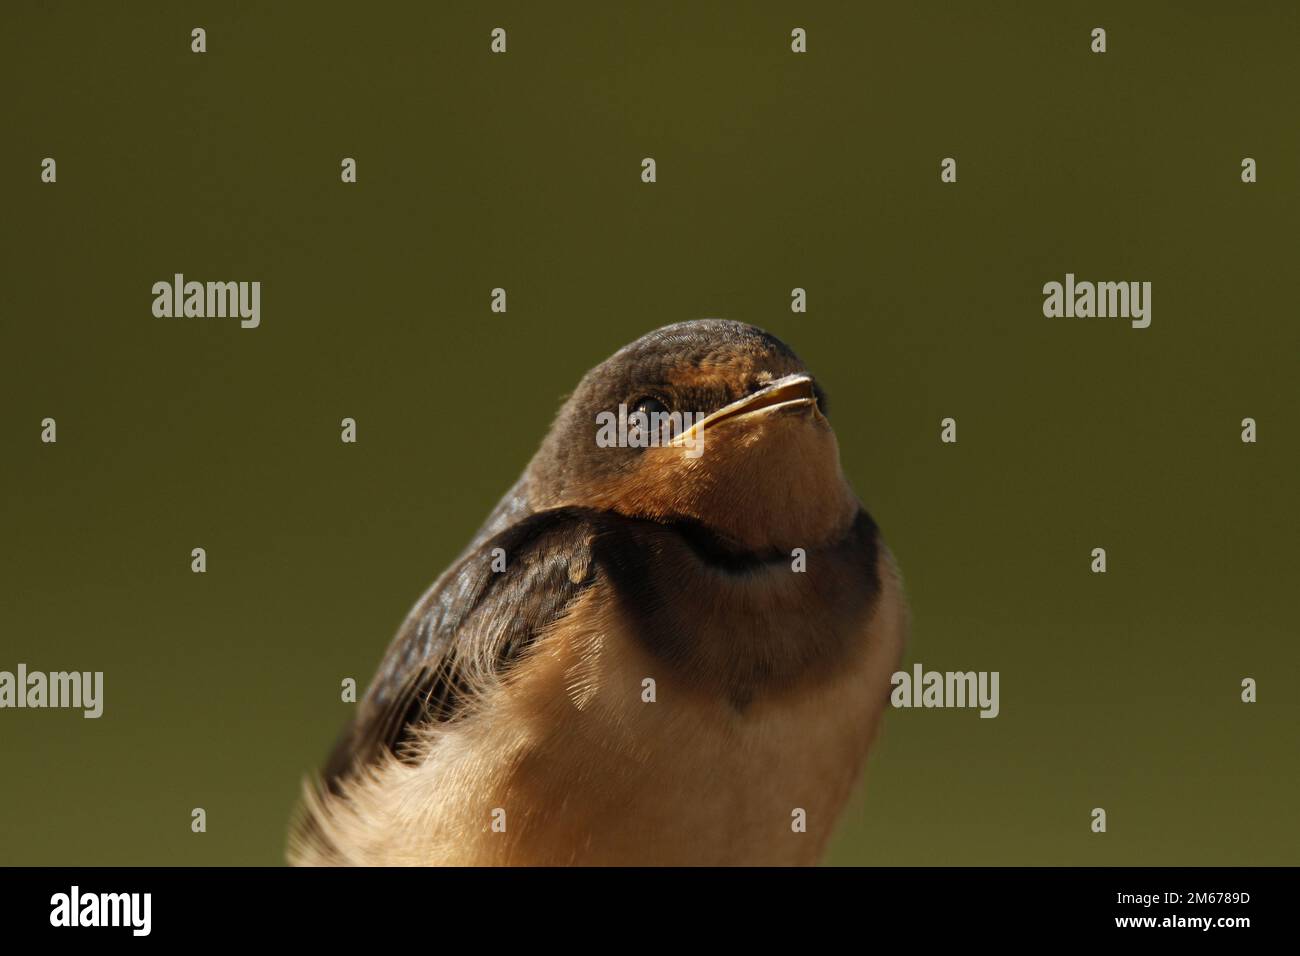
pixel 649 404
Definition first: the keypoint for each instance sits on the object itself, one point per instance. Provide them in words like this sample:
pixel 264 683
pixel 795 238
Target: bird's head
pixel 711 421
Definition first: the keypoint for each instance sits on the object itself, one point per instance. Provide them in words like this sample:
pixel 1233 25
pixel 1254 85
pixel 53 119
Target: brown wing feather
pixel 468 629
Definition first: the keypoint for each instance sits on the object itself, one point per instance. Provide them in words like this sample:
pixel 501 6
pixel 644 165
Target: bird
pixel 664 652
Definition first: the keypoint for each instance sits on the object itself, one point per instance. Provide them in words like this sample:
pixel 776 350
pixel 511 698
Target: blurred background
pixel 775 171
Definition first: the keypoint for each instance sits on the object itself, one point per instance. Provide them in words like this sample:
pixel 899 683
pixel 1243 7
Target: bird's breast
pixel 598 751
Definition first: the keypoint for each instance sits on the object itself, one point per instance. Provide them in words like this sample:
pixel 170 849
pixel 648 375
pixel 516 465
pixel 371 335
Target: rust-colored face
pixel 754 460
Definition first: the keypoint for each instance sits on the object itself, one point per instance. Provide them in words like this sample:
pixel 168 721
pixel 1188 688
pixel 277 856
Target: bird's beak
pixel 792 391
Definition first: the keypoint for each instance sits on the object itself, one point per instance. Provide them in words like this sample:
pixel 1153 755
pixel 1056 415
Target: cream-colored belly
pixel 570 763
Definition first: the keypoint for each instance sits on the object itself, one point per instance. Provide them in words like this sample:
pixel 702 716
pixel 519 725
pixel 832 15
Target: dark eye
pixel 649 404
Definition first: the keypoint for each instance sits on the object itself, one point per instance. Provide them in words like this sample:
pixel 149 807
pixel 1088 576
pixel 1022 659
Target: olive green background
pixel 775 170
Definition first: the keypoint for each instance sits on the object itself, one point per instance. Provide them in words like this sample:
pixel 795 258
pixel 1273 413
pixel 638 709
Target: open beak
pixel 792 391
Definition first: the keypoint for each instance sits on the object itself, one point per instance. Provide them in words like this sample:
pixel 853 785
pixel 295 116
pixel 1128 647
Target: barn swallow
pixel 644 656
